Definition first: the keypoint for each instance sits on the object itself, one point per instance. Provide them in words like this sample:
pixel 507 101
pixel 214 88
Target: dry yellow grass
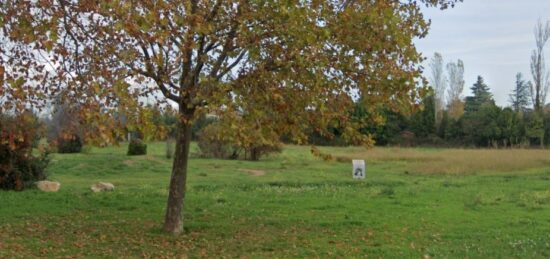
pixel 451 161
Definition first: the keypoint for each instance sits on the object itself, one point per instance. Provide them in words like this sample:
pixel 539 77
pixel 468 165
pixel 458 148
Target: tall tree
pixel 439 83
pixel 423 121
pixel 520 96
pixel 510 125
pixel 535 127
pixel 541 76
pixel 456 87
pixel 301 61
pixel 481 126
pixel 482 95
pixel 456 80
pixel 481 114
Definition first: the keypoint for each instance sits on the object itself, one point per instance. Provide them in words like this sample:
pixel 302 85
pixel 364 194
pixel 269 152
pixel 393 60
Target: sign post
pixel 358 169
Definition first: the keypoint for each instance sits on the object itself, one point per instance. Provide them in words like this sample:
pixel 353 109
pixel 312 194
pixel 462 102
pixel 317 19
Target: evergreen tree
pixel 520 96
pixel 481 96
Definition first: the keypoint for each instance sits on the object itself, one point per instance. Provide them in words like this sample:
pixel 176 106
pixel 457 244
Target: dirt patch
pixel 253 172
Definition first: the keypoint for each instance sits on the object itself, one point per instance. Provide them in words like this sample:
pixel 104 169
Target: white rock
pixel 48 186
pixel 101 187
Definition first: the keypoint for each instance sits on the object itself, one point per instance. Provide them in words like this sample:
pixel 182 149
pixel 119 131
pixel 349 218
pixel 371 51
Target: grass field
pixel 414 203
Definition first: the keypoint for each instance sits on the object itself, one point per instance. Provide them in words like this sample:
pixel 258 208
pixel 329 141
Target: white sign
pixel 358 169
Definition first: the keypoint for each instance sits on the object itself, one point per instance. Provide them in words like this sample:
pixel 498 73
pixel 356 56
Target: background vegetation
pixel 290 205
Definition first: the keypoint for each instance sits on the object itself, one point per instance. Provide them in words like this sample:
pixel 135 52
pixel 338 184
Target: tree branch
pixel 232 65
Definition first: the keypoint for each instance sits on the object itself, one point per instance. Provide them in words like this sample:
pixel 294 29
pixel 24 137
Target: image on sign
pixel 358 172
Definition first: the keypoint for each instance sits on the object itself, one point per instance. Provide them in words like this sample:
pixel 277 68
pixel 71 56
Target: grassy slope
pixel 300 207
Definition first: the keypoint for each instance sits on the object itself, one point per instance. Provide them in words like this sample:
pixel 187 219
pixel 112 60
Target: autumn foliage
pixel 284 65
pixel 214 141
pixel 18 167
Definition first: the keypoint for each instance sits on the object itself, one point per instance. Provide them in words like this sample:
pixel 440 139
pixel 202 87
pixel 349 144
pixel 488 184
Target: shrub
pixel 18 167
pixel 200 124
pixel 215 142
pixel 137 147
pixel 72 144
pixel 64 128
pixel 256 152
pixel 18 170
pixel 213 145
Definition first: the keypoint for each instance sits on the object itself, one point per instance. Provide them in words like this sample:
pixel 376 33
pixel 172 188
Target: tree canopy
pixel 270 65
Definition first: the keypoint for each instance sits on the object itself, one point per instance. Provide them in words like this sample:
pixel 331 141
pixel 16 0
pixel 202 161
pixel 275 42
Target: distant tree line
pixel 448 119
pixel 475 121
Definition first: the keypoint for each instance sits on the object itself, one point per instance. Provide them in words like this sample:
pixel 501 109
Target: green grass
pixel 300 207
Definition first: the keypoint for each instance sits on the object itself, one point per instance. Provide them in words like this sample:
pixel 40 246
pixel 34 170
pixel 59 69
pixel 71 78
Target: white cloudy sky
pixel 494 38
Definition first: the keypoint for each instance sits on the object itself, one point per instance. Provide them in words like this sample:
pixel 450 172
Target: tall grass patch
pixel 451 161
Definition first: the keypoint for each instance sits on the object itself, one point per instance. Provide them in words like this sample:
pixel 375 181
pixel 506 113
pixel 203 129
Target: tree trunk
pixel 254 154
pixel 173 222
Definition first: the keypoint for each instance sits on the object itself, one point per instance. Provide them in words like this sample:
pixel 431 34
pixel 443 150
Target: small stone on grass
pixel 48 186
pixel 101 187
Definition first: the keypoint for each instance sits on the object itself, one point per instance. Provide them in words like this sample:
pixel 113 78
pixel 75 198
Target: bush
pixel 22 170
pixel 214 142
pixel 137 147
pixel 18 167
pixel 200 124
pixel 212 145
pixel 257 152
pixel 72 144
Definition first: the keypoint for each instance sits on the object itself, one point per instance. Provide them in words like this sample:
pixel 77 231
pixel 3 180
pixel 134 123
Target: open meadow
pixel 414 203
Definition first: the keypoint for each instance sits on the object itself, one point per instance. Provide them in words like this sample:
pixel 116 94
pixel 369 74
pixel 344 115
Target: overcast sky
pixel 494 38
